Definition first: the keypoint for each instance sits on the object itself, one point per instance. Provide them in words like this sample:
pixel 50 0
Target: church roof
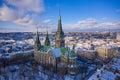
pixel 72 54
pixel 56 52
pixel 45 48
pixel 64 50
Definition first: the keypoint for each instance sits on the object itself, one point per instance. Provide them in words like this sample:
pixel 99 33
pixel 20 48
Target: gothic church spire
pixel 60 42
pixel 59 23
pixel 37 41
pixel 47 41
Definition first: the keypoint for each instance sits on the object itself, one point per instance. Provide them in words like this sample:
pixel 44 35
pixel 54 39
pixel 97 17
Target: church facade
pixel 58 59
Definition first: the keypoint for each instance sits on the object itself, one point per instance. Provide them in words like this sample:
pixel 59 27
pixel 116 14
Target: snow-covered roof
pixel 107 74
pixel 45 49
pixel 56 52
pixel 107 46
pixel 81 49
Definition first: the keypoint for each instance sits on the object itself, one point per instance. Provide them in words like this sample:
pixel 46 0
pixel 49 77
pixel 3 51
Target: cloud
pixel 88 22
pixel 93 24
pixel 47 22
pixel 28 5
pixel 19 18
pixel 20 11
pixel 84 24
pixel 17 29
pixel 7 14
pixel 26 21
pixel 110 25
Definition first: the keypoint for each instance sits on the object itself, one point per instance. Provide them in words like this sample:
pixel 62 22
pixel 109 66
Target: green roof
pixel 72 54
pixel 64 50
pixel 44 48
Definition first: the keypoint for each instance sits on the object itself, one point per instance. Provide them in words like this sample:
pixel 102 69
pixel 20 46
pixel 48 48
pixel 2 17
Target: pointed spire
pixel 60 42
pixel 37 41
pixel 37 32
pixel 37 29
pixel 73 47
pixel 59 22
pixel 47 41
pixel 59 16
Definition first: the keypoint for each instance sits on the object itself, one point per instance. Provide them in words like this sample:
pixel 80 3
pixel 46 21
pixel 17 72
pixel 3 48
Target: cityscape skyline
pixel 59 40
pixel 79 15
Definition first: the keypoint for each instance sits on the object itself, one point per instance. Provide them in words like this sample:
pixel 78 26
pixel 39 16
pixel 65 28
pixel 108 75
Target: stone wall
pixel 46 60
pixel 104 53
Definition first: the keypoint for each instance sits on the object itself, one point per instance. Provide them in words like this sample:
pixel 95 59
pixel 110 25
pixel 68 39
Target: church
pixel 60 58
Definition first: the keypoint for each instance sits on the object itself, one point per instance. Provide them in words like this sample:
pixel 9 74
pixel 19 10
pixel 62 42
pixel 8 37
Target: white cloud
pixel 88 22
pixel 93 24
pixel 17 29
pixel 7 14
pixel 47 22
pixel 113 24
pixel 29 5
pixel 25 21
pixel 20 14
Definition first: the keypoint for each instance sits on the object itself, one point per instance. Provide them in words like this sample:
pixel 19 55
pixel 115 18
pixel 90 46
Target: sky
pixel 76 15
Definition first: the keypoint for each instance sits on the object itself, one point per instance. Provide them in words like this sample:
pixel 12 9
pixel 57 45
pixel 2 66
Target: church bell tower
pixel 59 42
pixel 47 41
pixel 37 41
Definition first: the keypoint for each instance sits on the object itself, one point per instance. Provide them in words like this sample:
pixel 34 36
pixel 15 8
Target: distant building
pixel 105 52
pixel 118 36
pixel 58 59
pixel 86 55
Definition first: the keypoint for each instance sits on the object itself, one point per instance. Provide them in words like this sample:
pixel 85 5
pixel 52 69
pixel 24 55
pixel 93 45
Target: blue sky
pixel 77 15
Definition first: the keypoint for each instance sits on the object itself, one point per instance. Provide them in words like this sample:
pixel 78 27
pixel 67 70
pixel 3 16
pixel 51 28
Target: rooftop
pixel 58 51
pixel 72 54
pixel 45 48
pixel 64 50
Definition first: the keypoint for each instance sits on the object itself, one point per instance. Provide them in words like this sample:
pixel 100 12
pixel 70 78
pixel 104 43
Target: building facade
pixel 105 52
pixel 118 36
pixel 88 56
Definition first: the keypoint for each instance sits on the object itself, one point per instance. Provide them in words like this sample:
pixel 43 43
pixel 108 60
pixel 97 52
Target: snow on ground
pixel 108 71
pixel 27 72
pixel 27 41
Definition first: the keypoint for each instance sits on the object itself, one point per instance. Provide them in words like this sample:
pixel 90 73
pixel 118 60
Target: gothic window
pixel 51 60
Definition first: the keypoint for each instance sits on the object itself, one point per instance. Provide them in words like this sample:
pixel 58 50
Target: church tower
pixel 60 42
pixel 37 41
pixel 47 41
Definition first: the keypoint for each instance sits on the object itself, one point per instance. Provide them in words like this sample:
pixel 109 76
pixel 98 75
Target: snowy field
pixel 110 71
pixel 33 71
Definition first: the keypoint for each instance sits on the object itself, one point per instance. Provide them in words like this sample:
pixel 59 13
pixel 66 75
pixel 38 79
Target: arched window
pixel 51 60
